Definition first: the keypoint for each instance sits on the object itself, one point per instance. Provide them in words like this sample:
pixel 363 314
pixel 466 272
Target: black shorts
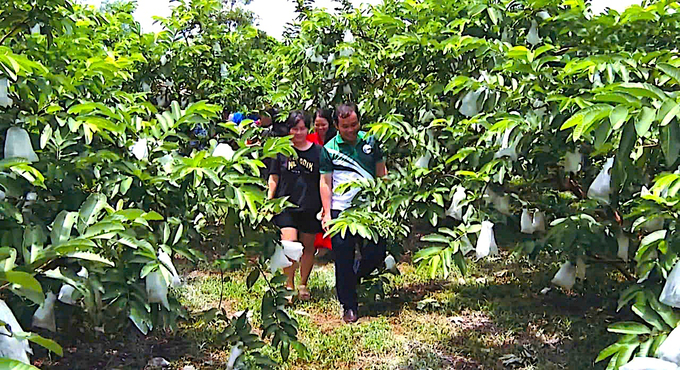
pixel 302 221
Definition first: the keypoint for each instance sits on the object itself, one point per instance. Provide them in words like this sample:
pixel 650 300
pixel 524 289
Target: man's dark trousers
pixel 372 256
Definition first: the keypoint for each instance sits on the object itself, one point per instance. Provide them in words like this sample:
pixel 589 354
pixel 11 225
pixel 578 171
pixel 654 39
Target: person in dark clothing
pixel 298 179
pixel 351 155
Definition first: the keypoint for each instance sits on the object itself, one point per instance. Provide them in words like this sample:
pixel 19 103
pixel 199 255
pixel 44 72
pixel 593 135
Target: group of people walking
pixel 335 153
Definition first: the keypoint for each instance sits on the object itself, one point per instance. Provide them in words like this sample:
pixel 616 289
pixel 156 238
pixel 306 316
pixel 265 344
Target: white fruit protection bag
pixel 669 350
pixel 565 277
pixel 44 315
pixel 486 244
pixel 670 295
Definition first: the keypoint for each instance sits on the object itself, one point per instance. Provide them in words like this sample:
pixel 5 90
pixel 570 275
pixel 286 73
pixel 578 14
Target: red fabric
pixel 314 137
pixel 321 242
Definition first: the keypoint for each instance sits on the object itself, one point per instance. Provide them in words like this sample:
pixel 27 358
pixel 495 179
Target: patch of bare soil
pixel 125 350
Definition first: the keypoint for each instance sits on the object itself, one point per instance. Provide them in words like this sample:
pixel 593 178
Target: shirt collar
pixel 360 137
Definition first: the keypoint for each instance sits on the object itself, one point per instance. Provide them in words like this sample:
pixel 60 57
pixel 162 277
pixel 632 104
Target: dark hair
pixel 327 114
pixel 294 117
pixel 345 109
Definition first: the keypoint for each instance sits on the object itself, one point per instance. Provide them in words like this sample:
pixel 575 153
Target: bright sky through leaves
pixel 274 14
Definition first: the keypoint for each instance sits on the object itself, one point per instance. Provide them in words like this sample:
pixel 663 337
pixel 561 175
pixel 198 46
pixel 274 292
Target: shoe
pixel 350 316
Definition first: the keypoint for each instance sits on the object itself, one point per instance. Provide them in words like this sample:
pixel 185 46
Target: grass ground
pixel 493 318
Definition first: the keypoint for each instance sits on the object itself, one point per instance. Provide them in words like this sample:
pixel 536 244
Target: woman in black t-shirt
pixel 298 179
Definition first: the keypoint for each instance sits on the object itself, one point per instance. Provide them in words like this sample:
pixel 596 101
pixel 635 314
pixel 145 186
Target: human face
pixel 321 126
pixel 299 132
pixel 348 127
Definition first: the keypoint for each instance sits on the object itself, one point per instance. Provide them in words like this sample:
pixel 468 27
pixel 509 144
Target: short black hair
pixel 345 109
pixel 328 115
pixel 294 117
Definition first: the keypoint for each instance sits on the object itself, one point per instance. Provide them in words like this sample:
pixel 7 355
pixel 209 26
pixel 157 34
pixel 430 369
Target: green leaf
pixel 629 327
pixel 434 264
pixel 178 233
pixel 89 256
pixel 669 110
pixel 252 278
pixel 9 364
pixel 650 316
pixel 24 281
pixel 90 210
pixel 62 226
pixel 653 237
pixel 670 142
pixel 639 89
pixel 608 352
pixel 618 116
pixel 670 70
pixel 436 238
pixel 44 342
pixel 644 120
pixel 45 136
pixel 30 174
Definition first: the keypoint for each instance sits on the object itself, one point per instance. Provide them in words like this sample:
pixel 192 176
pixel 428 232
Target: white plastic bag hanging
pixel 234 354
pixel 601 186
pixel 456 209
pixel 623 242
pixel 44 315
pixel 11 347
pixel 572 162
pixel 140 149
pixel 423 161
pixel 279 260
pixel 5 100
pixel 565 276
pixel 292 250
pixel 348 37
pixel 670 295
pixel 157 289
pixel 18 145
pixel 66 291
pixel 284 254
pixel 486 244
pixel 468 105
pixel 648 363
pixel 538 223
pixel 532 36
pixel 525 222
pixel 167 261
pixel 391 264
pixel 224 72
pixel 580 269
pixel 670 348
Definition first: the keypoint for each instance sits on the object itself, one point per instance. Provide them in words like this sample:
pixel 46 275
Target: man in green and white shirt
pixel 350 156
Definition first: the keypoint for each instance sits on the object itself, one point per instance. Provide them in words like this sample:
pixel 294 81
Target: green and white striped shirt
pixel 349 162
